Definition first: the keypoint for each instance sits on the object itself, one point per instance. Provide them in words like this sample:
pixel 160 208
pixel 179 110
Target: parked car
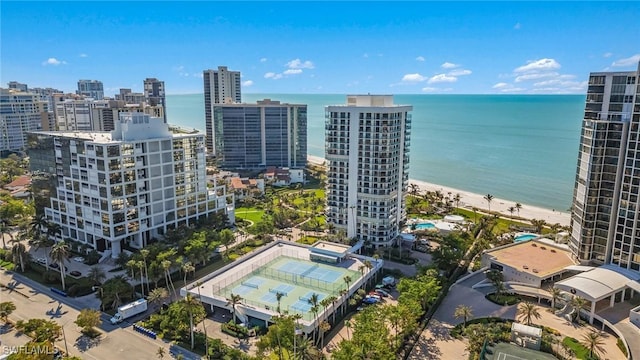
pixel 382 293
pixel 56 266
pixel 42 261
pixel 370 300
pixel 75 273
pixel 78 259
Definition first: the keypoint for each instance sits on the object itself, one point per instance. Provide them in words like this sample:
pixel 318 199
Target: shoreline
pixel 470 200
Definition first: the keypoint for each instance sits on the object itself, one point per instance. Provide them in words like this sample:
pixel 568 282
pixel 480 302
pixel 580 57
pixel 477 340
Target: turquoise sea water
pixel 517 147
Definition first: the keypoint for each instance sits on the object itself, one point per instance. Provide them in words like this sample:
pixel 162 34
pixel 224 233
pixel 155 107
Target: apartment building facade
pixel 20 112
pixel 91 88
pixel 604 219
pixel 256 136
pixel 221 86
pixel 122 188
pixel 367 149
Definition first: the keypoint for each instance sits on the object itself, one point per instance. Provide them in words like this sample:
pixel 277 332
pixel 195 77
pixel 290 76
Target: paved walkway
pixel 436 343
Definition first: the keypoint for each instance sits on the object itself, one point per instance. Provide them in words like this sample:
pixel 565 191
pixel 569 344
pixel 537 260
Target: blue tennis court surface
pixel 242 290
pixel 310 270
pixel 254 282
pixel 282 288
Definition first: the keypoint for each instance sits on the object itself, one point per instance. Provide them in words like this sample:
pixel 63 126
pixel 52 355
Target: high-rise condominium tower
pixel 605 222
pixel 154 94
pixel 91 88
pixel 367 147
pixel 255 136
pixel 123 188
pixel 220 87
pixel 20 112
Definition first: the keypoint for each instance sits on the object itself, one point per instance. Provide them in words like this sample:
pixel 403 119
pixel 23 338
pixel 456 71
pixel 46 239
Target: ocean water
pixel 516 147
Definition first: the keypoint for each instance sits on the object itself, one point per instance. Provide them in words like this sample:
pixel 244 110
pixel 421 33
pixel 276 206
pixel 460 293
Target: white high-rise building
pixel 122 188
pixel 220 87
pixel 154 94
pixel 367 149
pixel 20 112
pixel 77 114
pixel 604 219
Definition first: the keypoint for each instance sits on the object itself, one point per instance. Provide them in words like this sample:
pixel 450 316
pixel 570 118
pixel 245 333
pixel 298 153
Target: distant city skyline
pixel 321 47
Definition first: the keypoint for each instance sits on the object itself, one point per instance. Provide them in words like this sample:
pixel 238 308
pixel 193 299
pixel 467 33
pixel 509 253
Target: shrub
pixel 622 347
pixel 505 299
pixel 51 277
pixel 92 258
pixel 235 330
pixel 457 330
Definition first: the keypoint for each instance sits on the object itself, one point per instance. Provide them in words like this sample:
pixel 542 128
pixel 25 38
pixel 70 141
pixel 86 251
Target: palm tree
pixel 59 254
pixel 323 328
pixel 528 311
pixel 333 299
pixel 5 229
pixel 54 229
pixel 538 224
pixel 593 340
pixel 347 324
pixel 191 303
pixel 233 300
pixel 140 265
pixel 166 265
pixel 511 210
pixel 157 295
pixel 19 252
pixel 279 296
pixel 161 352
pixel 347 279
pixel 488 197
pixel 475 213
pixel 456 199
pixel 314 301
pixel 555 295
pixel 38 224
pixel 187 268
pixel 41 241
pixel 97 275
pixel 518 207
pixel 577 303
pixel 145 254
pixel 131 265
pixel 226 238
pixel 6 308
pixel 464 312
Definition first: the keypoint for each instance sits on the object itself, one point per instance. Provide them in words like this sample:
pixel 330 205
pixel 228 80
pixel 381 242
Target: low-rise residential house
pixel 242 187
pixel 284 176
pixel 20 187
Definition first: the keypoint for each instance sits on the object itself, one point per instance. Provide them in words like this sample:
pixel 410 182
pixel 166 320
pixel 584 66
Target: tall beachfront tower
pixel 220 87
pixel 367 149
pixel 604 217
pixel 120 189
pixel 155 95
pixel 20 112
pixel 91 88
pixel 256 136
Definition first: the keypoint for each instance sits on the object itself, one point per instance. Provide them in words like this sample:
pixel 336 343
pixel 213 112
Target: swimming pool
pixel 525 237
pixel 425 226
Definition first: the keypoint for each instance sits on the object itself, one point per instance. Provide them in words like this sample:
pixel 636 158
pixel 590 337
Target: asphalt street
pixel 34 300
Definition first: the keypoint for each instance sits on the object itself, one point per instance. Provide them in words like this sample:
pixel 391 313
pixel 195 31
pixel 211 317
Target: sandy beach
pixel 470 200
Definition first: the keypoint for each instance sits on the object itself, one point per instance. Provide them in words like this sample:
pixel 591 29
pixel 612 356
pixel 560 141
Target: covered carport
pixel 599 284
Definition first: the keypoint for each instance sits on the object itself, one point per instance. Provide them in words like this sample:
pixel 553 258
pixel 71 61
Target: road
pixel 33 300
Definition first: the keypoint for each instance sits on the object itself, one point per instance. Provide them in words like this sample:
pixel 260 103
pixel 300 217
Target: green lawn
pixel 580 351
pixel 252 214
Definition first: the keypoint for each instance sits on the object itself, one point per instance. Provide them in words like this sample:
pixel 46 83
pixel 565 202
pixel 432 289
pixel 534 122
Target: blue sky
pixel 325 47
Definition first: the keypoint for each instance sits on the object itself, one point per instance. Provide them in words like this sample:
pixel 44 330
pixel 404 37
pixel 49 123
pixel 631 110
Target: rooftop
pixel 534 257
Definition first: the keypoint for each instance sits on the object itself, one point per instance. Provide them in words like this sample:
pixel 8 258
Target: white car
pixel 42 261
pixel 78 259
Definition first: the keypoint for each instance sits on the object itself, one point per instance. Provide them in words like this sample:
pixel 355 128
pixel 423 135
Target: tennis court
pixel 297 280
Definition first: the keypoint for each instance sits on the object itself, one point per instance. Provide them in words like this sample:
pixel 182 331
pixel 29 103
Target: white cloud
pixel 83 55
pixel 562 84
pixel 53 61
pixel 420 58
pixel 500 85
pixel 448 65
pixel 535 76
pixel 517 26
pixel 247 83
pixel 459 72
pixel 538 65
pixel 430 89
pixel 513 89
pixel 263 60
pixel 630 61
pixel 272 75
pixel 412 78
pixel 299 64
pixel 607 55
pixel 292 71
pixel 442 78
